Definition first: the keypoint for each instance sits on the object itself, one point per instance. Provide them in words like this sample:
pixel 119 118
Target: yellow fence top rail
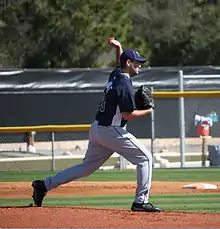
pixel 188 94
pixel 46 128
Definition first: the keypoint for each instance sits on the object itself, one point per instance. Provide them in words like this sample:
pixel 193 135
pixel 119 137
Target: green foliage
pixel 180 32
pixel 54 34
pixel 62 33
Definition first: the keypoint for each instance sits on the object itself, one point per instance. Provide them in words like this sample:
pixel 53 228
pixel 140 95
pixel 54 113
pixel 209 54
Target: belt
pixel 101 124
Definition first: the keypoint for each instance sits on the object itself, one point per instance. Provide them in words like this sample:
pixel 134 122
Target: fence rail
pixel 186 94
pixel 45 128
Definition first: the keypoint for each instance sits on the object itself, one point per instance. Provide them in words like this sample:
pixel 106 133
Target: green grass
pixel 46 165
pixel 178 158
pixel 206 174
pixel 175 202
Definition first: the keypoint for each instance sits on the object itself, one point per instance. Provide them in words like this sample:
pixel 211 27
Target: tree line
pixel 73 33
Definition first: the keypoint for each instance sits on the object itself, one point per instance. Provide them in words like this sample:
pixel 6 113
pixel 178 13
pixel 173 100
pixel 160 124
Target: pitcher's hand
pixel 113 42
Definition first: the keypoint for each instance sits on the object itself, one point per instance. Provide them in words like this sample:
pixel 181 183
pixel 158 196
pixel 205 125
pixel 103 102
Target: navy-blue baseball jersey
pixel 118 97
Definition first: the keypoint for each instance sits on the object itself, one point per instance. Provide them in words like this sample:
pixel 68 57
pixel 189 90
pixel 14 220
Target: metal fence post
pixel 123 163
pixel 182 120
pixel 152 130
pixel 52 151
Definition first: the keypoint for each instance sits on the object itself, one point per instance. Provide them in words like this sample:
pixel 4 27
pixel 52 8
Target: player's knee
pixel 88 171
pixel 145 158
pixel 148 157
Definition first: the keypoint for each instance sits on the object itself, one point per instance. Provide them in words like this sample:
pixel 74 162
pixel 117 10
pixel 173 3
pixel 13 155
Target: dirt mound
pixel 83 217
pixel 69 217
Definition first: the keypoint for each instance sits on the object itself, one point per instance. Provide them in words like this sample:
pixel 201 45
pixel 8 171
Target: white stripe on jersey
pixel 116 121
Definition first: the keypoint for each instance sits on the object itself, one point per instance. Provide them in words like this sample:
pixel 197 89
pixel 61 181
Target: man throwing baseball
pixel 108 134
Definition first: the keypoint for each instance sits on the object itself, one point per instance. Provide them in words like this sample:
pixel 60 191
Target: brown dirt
pixel 45 217
pixel 24 189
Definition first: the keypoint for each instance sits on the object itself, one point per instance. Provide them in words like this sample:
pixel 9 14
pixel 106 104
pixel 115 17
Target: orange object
pixel 203 129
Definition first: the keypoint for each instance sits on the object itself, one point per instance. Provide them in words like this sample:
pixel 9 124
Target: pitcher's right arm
pixel 116 44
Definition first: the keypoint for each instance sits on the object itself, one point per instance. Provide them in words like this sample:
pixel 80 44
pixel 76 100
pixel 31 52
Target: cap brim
pixel 141 60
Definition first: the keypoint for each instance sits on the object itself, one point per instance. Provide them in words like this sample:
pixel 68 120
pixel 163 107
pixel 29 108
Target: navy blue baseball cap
pixel 132 55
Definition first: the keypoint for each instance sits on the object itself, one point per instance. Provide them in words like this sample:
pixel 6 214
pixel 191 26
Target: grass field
pixel 203 174
pixel 208 202
pixel 174 202
pixel 45 165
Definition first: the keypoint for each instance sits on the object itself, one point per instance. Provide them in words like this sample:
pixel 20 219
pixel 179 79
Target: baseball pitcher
pixel 108 133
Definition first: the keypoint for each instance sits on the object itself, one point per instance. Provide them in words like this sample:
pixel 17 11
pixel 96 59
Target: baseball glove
pixel 143 98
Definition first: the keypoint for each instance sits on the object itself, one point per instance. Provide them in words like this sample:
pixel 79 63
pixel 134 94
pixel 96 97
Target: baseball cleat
pixel 148 207
pixel 39 192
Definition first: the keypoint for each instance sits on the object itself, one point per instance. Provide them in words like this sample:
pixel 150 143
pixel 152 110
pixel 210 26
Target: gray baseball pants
pixel 103 141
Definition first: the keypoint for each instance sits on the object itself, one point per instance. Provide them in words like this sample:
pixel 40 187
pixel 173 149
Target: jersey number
pixel 102 103
pixel 103 100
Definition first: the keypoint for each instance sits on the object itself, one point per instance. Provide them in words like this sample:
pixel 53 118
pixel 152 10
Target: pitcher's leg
pixel 144 179
pixel 95 156
pixel 138 155
pixel 134 151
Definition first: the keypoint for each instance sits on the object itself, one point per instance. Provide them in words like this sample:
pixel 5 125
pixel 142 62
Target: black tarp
pixel 71 96
pixel 93 80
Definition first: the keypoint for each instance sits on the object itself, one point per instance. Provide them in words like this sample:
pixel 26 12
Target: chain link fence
pixel 206 128
pixel 45 151
pixel 198 143
pixel 197 152
pixel 49 151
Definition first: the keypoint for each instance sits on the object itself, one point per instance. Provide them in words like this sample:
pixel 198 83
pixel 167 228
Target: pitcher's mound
pixel 83 217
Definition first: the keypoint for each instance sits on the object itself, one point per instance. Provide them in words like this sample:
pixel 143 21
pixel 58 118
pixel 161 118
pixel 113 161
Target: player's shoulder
pixel 123 82
pixel 123 78
pixel 115 72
